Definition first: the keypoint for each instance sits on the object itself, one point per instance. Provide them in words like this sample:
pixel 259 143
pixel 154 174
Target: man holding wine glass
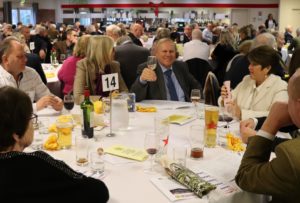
pixel 169 80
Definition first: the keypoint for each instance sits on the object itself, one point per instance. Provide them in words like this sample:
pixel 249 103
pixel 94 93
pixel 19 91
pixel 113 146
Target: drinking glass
pixel 195 99
pixel 97 163
pixel 151 62
pixel 68 102
pixel 151 146
pixel 225 116
pixel 197 141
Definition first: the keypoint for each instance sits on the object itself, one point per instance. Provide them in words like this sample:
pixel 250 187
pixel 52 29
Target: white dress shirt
pixel 29 82
pixel 195 49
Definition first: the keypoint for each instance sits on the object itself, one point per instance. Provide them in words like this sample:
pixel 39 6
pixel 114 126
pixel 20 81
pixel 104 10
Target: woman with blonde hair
pixel 98 61
pixel 67 72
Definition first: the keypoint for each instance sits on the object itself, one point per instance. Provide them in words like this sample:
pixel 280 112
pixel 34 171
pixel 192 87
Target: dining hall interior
pixel 150 101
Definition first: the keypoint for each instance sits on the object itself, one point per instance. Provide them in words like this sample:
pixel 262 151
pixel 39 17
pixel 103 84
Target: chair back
pixel 199 69
pixel 211 89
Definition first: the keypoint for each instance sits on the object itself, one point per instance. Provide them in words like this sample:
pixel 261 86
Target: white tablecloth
pixel 127 181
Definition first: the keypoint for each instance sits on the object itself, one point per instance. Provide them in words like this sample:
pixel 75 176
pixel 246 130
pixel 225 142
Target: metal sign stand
pixel 110 134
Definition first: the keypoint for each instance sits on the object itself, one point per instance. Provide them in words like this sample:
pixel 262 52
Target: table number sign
pixel 31 46
pixel 110 82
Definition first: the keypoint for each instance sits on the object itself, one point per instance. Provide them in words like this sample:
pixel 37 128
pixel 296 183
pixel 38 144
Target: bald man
pixel 280 176
pixel 136 31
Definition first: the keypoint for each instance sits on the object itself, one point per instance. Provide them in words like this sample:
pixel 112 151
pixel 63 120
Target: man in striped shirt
pixel 13 72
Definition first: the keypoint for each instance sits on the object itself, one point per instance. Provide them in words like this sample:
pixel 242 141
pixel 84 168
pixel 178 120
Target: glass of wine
pixel 151 62
pixel 195 99
pixel 68 102
pixel 151 146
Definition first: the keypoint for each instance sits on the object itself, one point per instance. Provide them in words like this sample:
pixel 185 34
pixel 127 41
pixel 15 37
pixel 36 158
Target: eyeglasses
pixel 34 118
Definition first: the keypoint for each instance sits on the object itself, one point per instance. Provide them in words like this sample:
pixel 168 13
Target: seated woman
pixel 36 176
pixel 98 61
pixel 67 72
pixel 254 96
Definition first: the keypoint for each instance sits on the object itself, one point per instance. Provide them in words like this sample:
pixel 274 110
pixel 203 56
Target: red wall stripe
pixel 187 5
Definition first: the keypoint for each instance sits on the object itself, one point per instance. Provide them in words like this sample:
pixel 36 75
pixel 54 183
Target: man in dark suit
pixel 170 80
pixel 33 61
pixel 130 55
pixel 280 176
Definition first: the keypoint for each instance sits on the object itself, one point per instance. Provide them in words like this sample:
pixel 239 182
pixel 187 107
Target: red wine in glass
pixel 151 151
pixel 69 105
pixel 69 102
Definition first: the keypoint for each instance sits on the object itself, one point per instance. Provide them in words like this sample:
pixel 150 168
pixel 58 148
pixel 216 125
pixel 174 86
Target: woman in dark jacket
pixel 36 176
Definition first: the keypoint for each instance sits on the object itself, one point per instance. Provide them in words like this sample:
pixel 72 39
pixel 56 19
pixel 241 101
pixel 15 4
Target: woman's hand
pixel 224 93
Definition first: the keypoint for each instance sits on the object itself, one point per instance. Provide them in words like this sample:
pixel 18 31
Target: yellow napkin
pixel 127 152
pixel 51 143
pixel 140 108
pixel 50 75
pixel 234 143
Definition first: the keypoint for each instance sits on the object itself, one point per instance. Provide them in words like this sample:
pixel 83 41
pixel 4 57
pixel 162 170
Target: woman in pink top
pixel 67 72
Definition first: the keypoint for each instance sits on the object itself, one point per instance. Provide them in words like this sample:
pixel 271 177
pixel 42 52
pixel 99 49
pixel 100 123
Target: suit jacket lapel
pixel 161 82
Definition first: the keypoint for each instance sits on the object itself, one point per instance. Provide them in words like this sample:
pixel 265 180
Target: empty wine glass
pixel 151 146
pixel 151 62
pixel 68 102
pixel 195 98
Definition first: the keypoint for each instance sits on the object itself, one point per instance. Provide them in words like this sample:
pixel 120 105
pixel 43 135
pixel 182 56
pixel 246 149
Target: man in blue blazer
pixel 170 80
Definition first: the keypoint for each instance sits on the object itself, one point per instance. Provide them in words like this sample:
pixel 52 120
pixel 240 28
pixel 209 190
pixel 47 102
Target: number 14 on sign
pixel 110 82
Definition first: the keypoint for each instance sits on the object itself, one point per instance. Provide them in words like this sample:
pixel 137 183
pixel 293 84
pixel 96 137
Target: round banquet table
pixel 126 179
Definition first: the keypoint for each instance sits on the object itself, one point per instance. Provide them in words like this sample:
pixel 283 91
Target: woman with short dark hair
pixel 35 176
pixel 254 96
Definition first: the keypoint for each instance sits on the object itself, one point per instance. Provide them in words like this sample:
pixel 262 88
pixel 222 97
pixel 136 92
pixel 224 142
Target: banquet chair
pixel 199 69
pixel 211 89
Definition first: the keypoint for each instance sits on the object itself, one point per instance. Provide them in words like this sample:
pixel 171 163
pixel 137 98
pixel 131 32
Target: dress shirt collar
pixel 164 69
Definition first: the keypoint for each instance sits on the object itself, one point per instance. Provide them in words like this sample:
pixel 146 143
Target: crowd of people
pixel 254 60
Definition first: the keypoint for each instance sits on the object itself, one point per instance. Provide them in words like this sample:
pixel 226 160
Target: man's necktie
pixel 171 85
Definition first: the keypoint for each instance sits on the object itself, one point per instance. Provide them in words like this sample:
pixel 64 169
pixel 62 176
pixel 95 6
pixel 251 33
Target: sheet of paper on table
pixel 127 152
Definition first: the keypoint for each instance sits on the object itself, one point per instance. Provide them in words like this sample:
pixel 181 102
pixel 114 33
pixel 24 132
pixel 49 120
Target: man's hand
pixel 49 100
pixel 278 117
pixel 148 75
pixel 247 129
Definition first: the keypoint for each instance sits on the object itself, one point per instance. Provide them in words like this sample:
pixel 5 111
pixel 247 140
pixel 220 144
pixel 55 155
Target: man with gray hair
pixel 288 36
pixel 136 31
pixel 14 73
pixel 113 31
pixel 295 42
pixel 196 48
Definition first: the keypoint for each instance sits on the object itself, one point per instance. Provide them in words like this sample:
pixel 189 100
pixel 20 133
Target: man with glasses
pixel 14 73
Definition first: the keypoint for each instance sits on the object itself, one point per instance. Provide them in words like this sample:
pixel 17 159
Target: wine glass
pixel 68 102
pixel 151 62
pixel 225 116
pixel 151 146
pixel 195 99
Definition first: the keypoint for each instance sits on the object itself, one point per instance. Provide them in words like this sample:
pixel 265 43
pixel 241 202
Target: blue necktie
pixel 171 85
